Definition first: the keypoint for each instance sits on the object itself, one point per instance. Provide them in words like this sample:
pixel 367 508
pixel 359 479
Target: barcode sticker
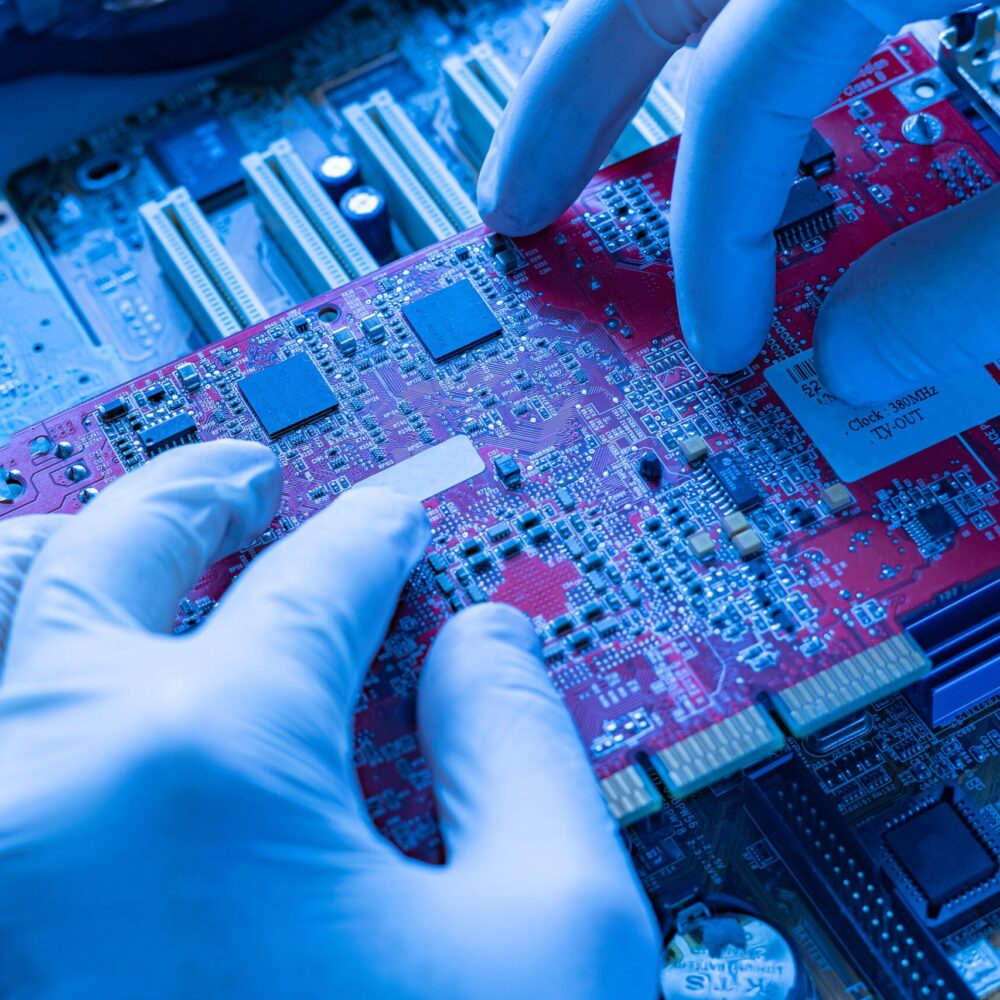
pixel 860 440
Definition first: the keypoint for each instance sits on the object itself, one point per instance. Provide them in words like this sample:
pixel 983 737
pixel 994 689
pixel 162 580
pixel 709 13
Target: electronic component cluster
pixel 783 674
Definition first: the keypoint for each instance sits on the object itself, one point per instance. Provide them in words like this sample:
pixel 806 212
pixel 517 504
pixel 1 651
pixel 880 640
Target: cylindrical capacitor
pixel 365 210
pixel 338 173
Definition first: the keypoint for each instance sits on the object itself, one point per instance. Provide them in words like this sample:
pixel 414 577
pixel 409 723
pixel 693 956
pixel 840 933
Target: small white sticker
pixel 860 440
pixel 432 470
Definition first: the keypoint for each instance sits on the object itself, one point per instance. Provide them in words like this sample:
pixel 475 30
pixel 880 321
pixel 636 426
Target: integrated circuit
pixel 201 154
pixel 740 488
pixel 178 429
pixel 936 522
pixel 288 394
pixel 945 859
pixel 452 321
pixel 808 212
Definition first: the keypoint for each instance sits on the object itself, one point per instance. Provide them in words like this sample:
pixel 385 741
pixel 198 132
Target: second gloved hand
pixel 180 816
pixel 764 70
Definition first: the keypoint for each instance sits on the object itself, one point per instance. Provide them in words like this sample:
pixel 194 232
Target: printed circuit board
pixel 703 580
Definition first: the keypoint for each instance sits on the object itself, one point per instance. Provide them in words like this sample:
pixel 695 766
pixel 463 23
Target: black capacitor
pixel 367 214
pixel 337 174
pixel 650 467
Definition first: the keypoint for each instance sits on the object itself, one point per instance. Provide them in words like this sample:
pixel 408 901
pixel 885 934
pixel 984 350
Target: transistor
pixel 651 468
pixel 818 158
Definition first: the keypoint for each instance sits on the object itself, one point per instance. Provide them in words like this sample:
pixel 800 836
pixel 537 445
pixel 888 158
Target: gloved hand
pixel 179 816
pixel 764 70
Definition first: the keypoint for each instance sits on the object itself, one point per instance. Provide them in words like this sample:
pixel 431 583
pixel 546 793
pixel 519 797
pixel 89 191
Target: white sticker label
pixel 860 440
pixel 432 470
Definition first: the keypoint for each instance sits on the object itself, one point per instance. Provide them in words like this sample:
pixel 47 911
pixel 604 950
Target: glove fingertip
pixel 500 623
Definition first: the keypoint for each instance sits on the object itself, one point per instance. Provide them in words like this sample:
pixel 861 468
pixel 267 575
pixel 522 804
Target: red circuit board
pixel 589 373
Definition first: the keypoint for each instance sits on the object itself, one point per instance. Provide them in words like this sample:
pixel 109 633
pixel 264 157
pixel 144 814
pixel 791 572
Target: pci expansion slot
pixel 304 222
pixel 197 265
pixel 660 118
pixel 479 86
pixel 424 197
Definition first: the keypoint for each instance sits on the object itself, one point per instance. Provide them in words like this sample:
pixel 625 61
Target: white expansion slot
pixel 198 266
pixel 304 222
pixel 660 118
pixel 424 197
pixel 479 86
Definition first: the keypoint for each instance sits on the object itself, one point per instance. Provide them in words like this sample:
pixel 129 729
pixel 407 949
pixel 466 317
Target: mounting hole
pixel 102 172
pixel 38 348
pixel 329 314
pixel 84 380
pixel 11 486
pixel 925 89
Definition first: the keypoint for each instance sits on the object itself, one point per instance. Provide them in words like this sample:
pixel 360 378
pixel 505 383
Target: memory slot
pixel 479 86
pixel 197 265
pixel 960 633
pixel 304 222
pixel 660 118
pixel 425 199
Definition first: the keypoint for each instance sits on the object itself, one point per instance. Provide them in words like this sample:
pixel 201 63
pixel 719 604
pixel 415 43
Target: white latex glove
pixel 179 816
pixel 765 69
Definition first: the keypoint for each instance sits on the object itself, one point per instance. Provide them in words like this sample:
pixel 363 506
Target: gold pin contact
pixel 630 796
pixel 851 684
pixel 718 751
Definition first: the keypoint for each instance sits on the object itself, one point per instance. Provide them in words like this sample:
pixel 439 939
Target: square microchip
pixel 936 521
pixel 287 394
pixel 940 853
pixel 452 320
pixel 201 154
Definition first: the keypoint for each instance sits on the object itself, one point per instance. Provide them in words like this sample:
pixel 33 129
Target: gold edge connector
pixel 718 751
pixel 851 684
pixel 629 795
